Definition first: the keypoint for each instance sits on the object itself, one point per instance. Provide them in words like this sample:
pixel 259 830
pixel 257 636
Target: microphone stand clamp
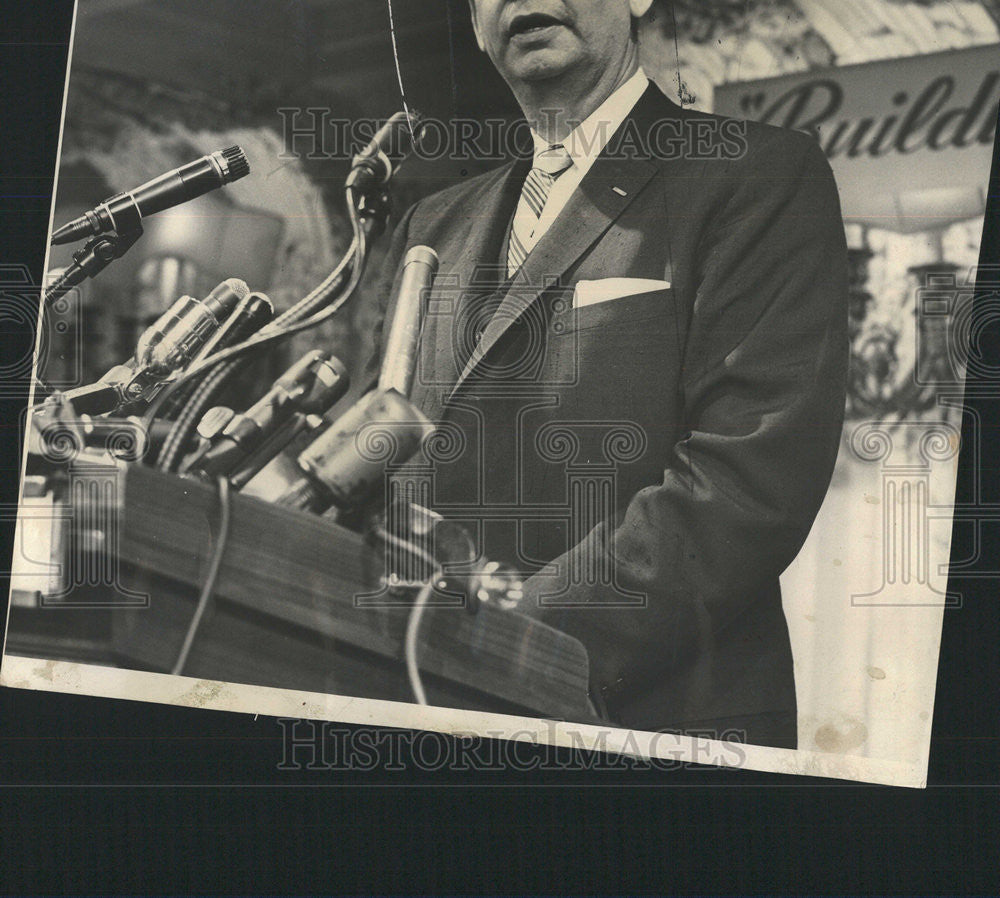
pixel 373 209
pixel 97 253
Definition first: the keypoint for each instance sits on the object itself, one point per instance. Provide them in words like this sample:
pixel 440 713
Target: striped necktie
pixel 549 165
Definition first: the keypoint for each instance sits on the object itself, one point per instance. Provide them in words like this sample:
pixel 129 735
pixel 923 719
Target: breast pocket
pixel 612 353
pixel 638 316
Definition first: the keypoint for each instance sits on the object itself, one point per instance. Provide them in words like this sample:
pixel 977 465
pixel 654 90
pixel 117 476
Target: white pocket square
pixel 590 293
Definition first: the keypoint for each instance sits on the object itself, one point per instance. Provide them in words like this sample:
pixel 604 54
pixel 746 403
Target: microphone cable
pixel 208 588
pixel 410 643
pixel 410 646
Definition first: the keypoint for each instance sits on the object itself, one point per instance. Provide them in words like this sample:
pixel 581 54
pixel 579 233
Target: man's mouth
pixel 531 23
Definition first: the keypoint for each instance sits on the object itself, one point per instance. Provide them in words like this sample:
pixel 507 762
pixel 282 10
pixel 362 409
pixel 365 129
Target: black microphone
pixel 311 386
pixel 175 187
pixel 393 142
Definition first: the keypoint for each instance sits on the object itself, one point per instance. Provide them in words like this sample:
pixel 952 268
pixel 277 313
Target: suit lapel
pixel 479 233
pixel 604 194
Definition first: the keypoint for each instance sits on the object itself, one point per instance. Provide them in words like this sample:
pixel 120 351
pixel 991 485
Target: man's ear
pixel 475 25
pixel 639 8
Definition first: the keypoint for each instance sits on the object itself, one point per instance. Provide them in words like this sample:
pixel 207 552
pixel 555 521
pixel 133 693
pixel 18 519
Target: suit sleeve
pixel 764 374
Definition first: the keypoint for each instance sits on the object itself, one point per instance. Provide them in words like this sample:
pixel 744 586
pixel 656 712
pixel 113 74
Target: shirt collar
pixel 587 141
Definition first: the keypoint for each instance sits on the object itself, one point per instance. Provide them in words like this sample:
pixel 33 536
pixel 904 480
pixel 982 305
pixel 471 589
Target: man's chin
pixel 540 64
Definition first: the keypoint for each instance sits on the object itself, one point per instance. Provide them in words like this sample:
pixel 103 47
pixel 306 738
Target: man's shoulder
pixel 761 144
pixel 674 132
pixel 464 194
pixel 771 144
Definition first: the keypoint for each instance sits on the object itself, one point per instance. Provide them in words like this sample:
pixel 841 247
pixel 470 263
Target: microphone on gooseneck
pixel 375 165
pixel 171 189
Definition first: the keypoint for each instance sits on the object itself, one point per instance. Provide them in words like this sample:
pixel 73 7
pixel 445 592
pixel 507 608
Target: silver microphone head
pixel 232 162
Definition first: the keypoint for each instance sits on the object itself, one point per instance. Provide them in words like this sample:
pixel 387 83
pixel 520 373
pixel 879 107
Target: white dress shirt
pixel 584 144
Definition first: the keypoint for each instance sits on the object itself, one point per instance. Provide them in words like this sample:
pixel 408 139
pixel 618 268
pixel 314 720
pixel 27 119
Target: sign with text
pixel 910 140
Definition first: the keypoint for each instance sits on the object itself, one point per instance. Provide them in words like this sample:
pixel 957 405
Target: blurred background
pixel 902 94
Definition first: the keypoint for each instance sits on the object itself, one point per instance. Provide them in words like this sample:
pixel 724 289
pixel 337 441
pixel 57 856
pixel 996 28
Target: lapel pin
pixel 619 191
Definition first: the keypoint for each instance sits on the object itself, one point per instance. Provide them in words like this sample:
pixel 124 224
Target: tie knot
pixel 554 161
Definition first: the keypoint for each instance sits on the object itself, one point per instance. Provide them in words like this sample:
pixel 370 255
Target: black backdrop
pixel 108 797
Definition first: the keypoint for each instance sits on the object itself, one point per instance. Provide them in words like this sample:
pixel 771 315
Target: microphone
pixel 250 315
pixel 310 387
pixel 348 463
pixel 165 347
pixel 375 165
pixel 171 189
pixel 399 360
pixel 173 339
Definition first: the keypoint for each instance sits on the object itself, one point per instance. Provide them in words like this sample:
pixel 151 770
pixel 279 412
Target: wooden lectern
pixel 297 604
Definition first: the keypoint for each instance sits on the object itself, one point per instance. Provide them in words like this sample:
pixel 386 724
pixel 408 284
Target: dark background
pixel 112 796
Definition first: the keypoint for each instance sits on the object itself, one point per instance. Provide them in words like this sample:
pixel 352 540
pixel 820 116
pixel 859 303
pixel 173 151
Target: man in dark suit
pixel 637 340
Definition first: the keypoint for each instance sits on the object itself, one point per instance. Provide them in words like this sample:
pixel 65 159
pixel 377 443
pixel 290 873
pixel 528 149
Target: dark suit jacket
pixel 667 452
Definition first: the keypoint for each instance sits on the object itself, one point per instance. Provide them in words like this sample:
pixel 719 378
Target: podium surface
pixel 297 604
